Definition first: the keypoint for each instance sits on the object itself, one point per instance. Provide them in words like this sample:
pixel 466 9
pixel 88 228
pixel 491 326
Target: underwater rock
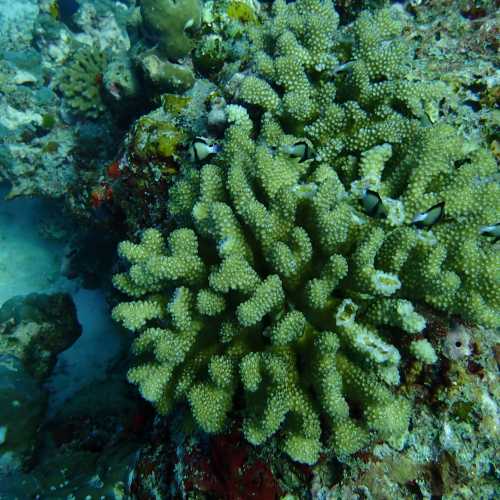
pixel 165 75
pixel 120 80
pixel 102 24
pixel 94 438
pixel 88 448
pixel 36 328
pixel 166 22
pixel 217 116
pixel 23 404
pixel 16 23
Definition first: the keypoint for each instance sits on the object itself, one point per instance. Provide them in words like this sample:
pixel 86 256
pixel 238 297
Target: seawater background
pixel 30 263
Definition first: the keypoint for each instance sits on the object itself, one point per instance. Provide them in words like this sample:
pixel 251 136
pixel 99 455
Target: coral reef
pixel 311 281
pixel 228 472
pixel 34 329
pixel 43 152
pixel 81 82
pixel 167 23
pixel 101 23
pixel 153 151
pixel 283 275
pixel 453 441
pixel 459 42
pixel 165 76
pixel 17 21
pixel 210 55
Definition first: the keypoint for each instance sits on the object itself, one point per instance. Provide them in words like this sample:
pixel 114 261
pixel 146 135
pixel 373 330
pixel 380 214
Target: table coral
pixel 278 282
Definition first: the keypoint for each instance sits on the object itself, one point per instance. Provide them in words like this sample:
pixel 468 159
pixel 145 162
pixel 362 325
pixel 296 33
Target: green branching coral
pixel 345 89
pixel 277 283
pixel 348 91
pixel 81 82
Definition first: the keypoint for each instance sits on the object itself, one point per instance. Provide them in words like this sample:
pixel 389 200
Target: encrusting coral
pixel 167 22
pixel 301 248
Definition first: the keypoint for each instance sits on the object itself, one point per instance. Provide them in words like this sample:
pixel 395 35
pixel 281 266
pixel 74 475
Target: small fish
pixel 201 148
pixel 299 149
pixel 492 231
pixel 425 220
pixel 373 205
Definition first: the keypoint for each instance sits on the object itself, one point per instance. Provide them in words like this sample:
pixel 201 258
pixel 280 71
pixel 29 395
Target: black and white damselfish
pixel 425 220
pixel 492 231
pixel 373 205
pixel 202 148
pixel 300 149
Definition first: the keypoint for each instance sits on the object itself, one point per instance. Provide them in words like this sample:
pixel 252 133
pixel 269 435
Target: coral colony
pixel 282 278
pixel 281 267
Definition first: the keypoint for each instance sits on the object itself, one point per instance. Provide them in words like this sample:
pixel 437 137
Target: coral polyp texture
pixel 301 251
pixel 80 82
